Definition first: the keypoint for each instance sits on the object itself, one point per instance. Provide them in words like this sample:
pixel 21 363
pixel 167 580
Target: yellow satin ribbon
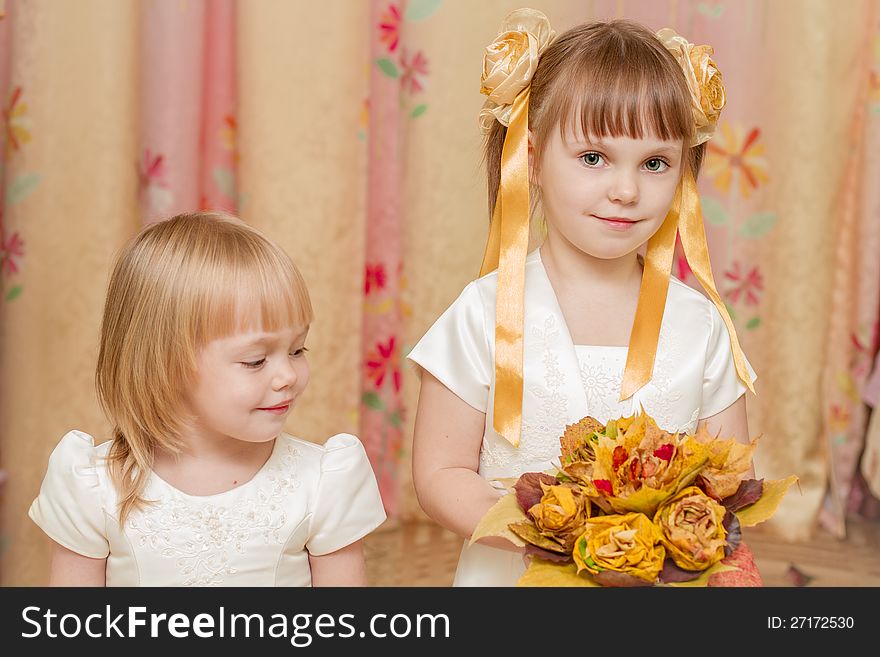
pixel 685 217
pixel 696 250
pixel 506 250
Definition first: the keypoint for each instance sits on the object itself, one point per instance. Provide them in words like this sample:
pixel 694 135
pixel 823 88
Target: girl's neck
pixel 208 465
pixel 567 266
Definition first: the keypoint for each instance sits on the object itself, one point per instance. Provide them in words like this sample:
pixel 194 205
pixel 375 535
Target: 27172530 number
pixel 810 623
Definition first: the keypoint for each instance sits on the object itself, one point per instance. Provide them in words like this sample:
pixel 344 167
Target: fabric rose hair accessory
pixel 704 81
pixel 510 61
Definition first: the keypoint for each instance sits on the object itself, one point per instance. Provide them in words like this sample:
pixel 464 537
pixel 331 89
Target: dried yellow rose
pixel 627 543
pixel 690 527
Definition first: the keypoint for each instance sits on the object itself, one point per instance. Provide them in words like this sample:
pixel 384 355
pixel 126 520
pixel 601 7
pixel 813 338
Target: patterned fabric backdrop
pixel 348 132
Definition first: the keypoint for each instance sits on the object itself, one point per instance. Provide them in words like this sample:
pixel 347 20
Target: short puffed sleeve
pixel 721 384
pixel 347 504
pixel 456 349
pixel 69 507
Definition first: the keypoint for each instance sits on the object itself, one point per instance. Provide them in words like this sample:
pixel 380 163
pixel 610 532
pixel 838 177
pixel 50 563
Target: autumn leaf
pixel 673 573
pixel 620 580
pixel 734 532
pixel 703 579
pixel 528 488
pixel 536 552
pixel 496 522
pixel 749 492
pixel 774 491
pixel 545 573
pixel 530 534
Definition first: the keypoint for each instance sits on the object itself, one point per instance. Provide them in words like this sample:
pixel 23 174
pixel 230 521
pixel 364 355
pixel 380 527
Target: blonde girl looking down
pixel 202 358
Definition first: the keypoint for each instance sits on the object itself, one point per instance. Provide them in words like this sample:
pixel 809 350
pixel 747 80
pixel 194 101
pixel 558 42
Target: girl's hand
pixel 345 567
pixel 70 568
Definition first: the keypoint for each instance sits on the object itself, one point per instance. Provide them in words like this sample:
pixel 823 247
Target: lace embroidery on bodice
pixel 540 433
pixel 203 537
pixel 601 375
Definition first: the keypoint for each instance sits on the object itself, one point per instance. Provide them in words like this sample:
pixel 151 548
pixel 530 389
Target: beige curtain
pixel 303 73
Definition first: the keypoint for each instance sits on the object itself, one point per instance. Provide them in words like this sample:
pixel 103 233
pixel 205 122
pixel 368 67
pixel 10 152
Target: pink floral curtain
pixel 399 73
pixel 188 134
pixel 356 145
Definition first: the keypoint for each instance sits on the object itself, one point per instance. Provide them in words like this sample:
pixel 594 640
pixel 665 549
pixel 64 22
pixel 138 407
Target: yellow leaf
pixel 703 579
pixel 774 491
pixel 547 573
pixel 496 521
pixel 645 500
pixel 508 483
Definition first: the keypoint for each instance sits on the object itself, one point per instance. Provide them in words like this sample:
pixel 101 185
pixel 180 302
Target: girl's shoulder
pixel 77 459
pixel 690 308
pixel 75 495
pixel 341 451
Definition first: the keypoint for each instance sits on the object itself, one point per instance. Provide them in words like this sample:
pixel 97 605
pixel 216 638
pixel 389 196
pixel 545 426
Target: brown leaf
pixel 749 492
pixel 614 578
pixel 530 534
pixel 734 532
pixel 672 573
pixel 528 488
pixel 555 557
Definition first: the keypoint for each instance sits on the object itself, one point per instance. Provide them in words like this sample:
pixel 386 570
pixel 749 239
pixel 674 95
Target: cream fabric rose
pixel 704 81
pixel 510 61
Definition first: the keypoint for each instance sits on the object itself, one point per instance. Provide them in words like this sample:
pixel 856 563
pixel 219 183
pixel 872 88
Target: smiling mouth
pixel 280 408
pixel 617 223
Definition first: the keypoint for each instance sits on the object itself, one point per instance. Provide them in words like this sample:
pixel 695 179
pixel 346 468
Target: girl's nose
pixel 285 376
pixel 624 188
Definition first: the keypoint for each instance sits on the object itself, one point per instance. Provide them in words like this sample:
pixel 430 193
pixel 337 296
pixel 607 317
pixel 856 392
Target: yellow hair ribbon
pixel 506 250
pixel 686 217
pixel 693 239
pixel 652 302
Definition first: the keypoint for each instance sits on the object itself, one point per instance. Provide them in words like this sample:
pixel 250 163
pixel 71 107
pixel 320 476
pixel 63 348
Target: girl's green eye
pixel 591 159
pixel 655 164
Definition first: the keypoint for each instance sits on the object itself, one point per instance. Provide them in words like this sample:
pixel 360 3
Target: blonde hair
pixel 611 78
pixel 176 286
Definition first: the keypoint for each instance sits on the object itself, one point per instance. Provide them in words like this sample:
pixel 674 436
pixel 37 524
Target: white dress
pixel 305 499
pixel 694 378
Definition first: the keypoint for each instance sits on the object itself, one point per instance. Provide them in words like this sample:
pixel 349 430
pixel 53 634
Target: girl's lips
pixel 277 410
pixel 616 223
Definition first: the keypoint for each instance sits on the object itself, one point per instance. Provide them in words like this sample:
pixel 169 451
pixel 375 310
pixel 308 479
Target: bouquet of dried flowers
pixel 633 505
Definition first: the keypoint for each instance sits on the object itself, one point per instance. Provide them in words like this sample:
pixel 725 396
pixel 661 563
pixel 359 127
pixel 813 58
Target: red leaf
pixel 749 492
pixel 734 532
pixel 635 469
pixel 528 488
pixel 664 452
pixel 672 573
pixel 619 457
pixel 604 486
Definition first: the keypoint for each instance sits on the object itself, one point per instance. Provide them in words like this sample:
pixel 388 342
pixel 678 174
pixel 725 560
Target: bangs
pixel 619 83
pixel 256 289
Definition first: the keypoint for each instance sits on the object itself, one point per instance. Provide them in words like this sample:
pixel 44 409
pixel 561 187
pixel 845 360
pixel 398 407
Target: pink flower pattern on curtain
pixel 398 76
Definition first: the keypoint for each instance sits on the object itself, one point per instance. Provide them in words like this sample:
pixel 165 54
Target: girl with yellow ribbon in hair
pixel 600 132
